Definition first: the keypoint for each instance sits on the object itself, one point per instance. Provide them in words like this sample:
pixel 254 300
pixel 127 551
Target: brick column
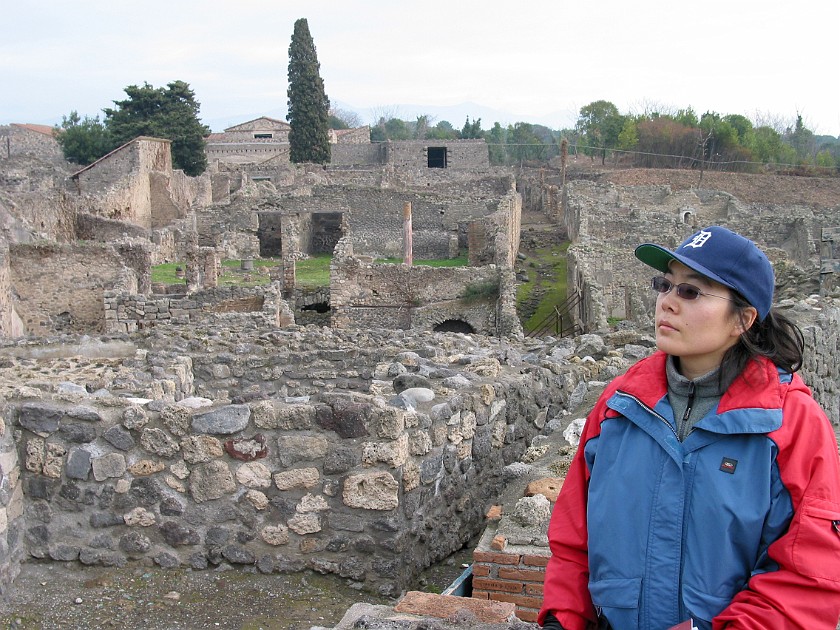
pixel 511 577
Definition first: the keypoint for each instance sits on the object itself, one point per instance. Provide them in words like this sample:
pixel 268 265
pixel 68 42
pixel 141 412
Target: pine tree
pixel 308 104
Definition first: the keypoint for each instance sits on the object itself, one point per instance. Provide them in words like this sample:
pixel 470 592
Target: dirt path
pixel 59 595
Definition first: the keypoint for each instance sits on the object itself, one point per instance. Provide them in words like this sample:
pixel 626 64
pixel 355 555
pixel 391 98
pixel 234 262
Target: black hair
pixel 776 337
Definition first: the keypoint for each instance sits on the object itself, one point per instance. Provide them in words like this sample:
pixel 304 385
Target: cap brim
pixel 660 258
pixel 655 256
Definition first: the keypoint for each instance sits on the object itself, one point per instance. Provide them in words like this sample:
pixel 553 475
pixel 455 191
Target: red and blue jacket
pixel 736 527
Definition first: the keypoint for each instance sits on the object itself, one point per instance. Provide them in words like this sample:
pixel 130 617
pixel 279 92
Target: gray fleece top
pixel 691 400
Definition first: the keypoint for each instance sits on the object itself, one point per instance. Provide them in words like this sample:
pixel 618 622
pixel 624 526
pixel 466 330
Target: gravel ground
pixel 52 595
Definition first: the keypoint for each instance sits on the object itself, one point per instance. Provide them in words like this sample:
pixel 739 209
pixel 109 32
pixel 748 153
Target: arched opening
pixel 318 307
pixel 454 325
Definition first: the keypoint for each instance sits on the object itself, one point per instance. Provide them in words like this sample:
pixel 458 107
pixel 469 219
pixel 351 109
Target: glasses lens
pixel 661 284
pixel 688 291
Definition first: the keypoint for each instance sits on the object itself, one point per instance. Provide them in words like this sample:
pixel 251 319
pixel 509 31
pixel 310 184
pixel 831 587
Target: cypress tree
pixel 308 104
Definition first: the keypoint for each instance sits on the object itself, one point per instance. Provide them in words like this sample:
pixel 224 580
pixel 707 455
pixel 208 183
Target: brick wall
pixel 514 577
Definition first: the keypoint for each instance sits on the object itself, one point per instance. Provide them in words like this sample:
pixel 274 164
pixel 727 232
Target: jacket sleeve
pixel 566 586
pixel 804 592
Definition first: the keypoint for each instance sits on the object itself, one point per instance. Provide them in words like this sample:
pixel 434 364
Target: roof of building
pixel 273 123
pixel 44 129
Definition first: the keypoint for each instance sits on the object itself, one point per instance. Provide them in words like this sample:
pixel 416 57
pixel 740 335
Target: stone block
pixel 451 607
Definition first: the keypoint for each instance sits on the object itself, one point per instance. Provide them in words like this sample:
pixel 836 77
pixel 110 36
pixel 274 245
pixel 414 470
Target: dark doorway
pixel 326 231
pixel 269 234
pixel 436 157
pixel 454 325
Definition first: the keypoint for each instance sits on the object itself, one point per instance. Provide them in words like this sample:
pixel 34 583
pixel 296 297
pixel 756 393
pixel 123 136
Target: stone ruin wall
pixel 136 184
pixel 607 222
pixel 375 218
pixel 304 458
pixel 17 140
pixel 462 155
pixel 261 307
pixel 370 295
pixel 60 287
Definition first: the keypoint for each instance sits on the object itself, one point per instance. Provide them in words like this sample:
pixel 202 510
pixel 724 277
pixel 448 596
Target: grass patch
pixel 313 271
pixel 310 272
pixel 460 261
pixel 546 270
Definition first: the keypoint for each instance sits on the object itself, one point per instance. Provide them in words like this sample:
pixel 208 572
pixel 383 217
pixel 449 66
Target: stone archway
pixel 454 325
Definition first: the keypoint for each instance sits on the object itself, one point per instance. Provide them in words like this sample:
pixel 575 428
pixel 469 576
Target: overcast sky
pixel 536 61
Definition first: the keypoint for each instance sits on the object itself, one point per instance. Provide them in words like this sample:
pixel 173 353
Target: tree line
pixel 655 139
pixel 676 139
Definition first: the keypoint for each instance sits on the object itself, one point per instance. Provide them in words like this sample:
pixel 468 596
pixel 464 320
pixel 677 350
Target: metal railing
pixel 560 322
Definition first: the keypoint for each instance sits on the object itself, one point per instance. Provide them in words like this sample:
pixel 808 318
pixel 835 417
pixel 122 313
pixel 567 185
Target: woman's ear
pixel 747 318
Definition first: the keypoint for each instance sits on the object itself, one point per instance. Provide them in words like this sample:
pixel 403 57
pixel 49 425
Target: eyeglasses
pixel 686 291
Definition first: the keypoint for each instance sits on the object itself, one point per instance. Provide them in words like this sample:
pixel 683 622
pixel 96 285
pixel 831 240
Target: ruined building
pixel 210 425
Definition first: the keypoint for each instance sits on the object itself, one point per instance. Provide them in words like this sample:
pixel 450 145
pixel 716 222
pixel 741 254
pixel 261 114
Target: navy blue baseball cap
pixel 724 256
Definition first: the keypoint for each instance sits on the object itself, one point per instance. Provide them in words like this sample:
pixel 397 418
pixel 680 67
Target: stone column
pixel 407 245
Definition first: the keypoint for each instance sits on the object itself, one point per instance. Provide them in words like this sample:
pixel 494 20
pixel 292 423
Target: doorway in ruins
pixel 326 231
pixel 270 235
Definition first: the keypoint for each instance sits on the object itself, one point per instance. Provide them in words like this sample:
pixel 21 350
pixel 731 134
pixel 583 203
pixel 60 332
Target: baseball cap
pixel 724 256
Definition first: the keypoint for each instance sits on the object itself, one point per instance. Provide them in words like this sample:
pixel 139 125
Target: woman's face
pixel 699 331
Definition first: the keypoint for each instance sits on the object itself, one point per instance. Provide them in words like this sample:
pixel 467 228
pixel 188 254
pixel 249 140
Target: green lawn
pixel 311 272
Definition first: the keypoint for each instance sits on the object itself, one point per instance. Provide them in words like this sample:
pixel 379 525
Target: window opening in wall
pixel 436 157
pixel 263 135
pixel 454 325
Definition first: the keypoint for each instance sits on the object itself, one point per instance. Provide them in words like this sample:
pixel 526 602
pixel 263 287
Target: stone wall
pixel 12 501
pixel 10 323
pixel 32 140
pixel 371 295
pixel 60 287
pixel 136 183
pixel 128 312
pixel 340 452
pixel 606 223
pixel 461 155
pixel 375 217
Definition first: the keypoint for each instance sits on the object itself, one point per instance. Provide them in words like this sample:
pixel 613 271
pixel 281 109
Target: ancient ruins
pixel 195 425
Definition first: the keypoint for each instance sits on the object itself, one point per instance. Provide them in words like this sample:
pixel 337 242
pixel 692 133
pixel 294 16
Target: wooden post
pixel 407 245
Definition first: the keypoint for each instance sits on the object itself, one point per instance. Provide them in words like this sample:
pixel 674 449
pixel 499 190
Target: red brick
pixel 534 589
pixel 523 575
pixel 494 513
pixel 527 614
pixel 549 487
pixel 535 561
pixel 480 594
pixel 519 600
pixel 495 557
pixel 445 606
pixel 481 570
pixel 497 585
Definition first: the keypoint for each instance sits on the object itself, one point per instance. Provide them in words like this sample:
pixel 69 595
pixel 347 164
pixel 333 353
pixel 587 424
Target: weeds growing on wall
pixel 476 291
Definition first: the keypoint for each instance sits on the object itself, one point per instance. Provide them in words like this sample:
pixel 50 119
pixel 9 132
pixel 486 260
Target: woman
pixel 707 482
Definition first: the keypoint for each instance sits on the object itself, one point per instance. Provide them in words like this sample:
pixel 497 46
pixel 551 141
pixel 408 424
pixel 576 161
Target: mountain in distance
pixel 456 115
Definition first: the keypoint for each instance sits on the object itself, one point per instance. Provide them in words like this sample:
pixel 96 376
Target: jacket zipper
pixel 648 409
pixel 683 524
pixel 684 422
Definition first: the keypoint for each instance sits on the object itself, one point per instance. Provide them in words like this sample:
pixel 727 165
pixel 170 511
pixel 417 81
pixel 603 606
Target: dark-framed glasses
pixel 686 291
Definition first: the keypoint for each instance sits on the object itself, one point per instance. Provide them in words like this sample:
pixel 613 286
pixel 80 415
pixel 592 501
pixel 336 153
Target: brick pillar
pixel 511 577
